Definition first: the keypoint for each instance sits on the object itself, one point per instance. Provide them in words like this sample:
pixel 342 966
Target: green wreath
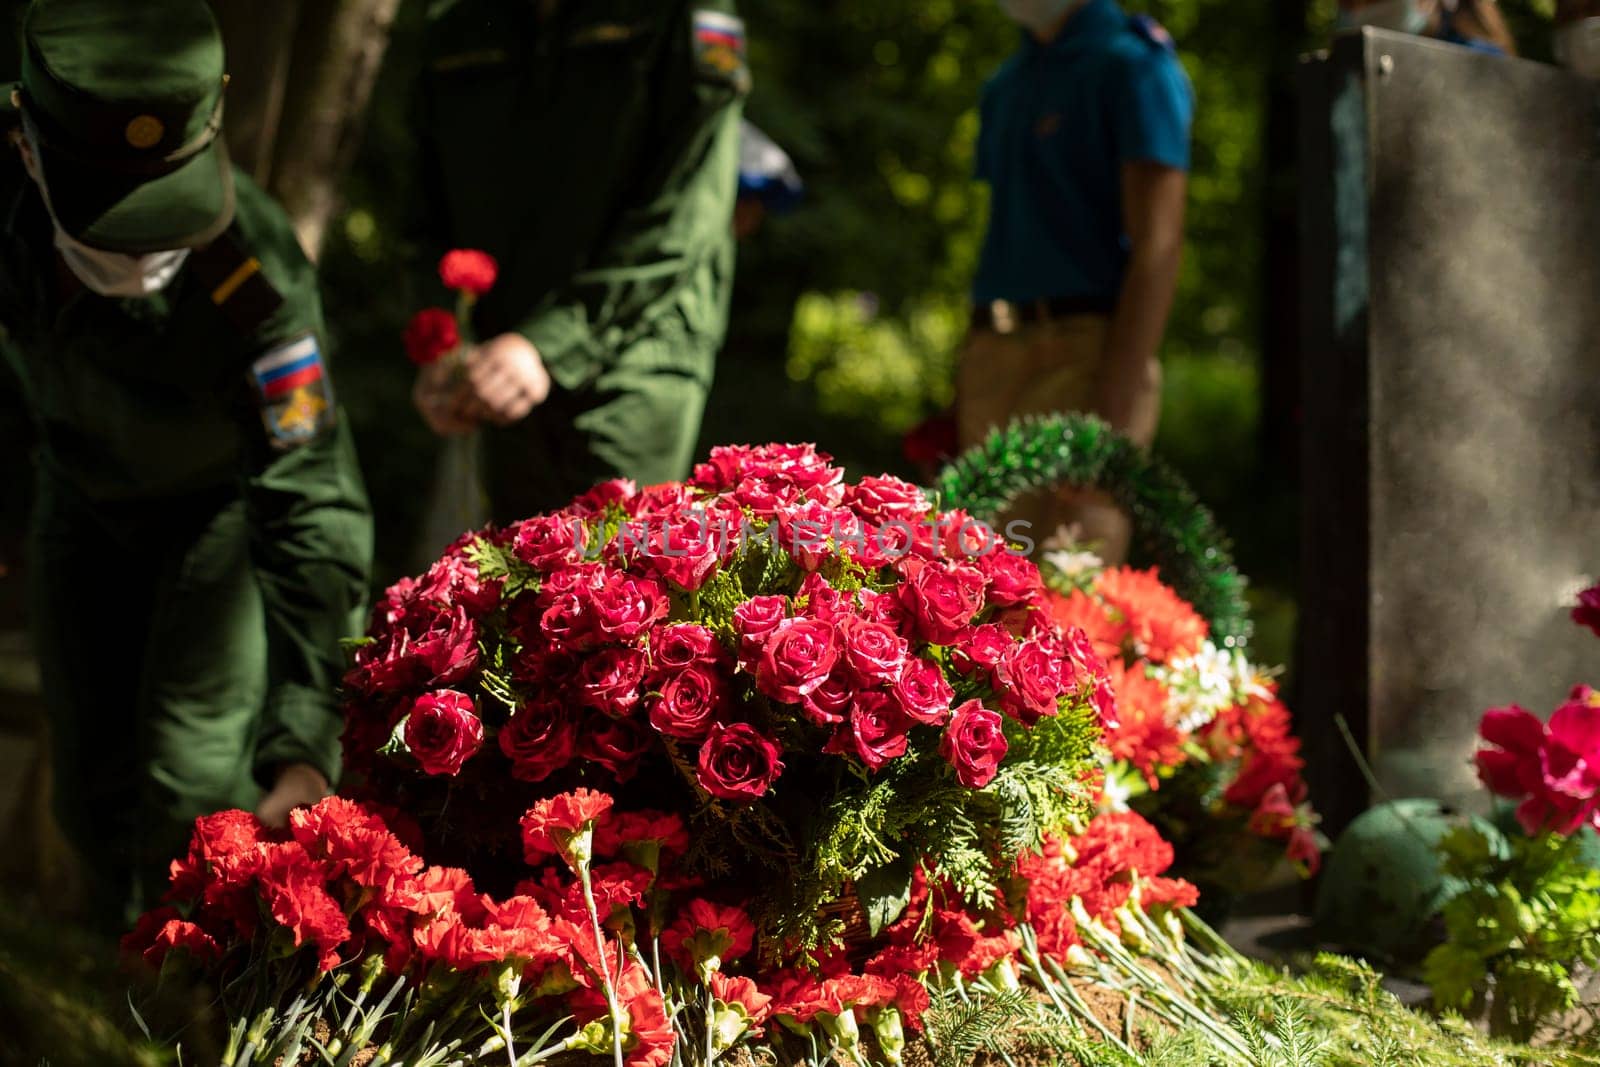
pixel 1169 523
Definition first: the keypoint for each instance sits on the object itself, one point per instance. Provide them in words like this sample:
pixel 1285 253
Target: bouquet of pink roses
pixel 838 683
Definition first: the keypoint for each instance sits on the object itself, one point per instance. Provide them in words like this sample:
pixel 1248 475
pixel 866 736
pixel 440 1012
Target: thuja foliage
pixel 1073 450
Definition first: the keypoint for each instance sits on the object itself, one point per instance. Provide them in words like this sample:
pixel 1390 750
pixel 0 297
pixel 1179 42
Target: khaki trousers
pixel 1038 369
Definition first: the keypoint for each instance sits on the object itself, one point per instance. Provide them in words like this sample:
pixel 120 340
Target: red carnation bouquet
pixel 829 679
pixel 334 938
pixel 1202 746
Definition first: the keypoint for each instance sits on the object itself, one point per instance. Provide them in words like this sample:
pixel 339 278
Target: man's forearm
pixel 1129 368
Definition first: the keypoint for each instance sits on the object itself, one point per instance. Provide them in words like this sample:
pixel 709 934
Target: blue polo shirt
pixel 1058 121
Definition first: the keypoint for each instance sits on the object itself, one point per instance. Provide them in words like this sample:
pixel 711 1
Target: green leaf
pixel 884 893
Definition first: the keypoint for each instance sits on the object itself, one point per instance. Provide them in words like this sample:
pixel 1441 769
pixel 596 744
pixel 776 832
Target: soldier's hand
pixel 440 397
pixel 506 379
pixel 298 785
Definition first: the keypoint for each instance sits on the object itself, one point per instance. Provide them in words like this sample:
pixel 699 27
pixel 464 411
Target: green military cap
pixel 122 100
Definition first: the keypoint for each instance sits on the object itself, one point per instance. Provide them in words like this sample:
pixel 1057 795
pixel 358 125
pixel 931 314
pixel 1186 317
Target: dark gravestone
pixel 1450 216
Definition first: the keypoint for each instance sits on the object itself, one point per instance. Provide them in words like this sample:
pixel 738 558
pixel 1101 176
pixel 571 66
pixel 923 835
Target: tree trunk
pixel 259 39
pixel 303 72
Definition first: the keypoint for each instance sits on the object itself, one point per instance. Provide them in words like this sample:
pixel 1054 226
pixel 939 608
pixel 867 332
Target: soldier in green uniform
pixel 201 537
pixel 593 149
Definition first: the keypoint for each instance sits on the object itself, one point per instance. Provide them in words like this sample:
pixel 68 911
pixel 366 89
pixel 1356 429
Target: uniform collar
pixel 1096 19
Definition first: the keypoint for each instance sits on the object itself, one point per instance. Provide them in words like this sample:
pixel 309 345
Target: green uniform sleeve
pixel 310 544
pixel 664 267
pixel 311 547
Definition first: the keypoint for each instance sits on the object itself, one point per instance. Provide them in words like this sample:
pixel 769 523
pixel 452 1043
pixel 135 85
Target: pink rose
pixel 1013 579
pixel 689 703
pixel 448 649
pixel 567 621
pixel 796 659
pixel 964 538
pixel 685 547
pixel 885 608
pixel 878 729
pixel 881 498
pixel 738 763
pixel 615 744
pixel 823 601
pixel 809 531
pixel 923 693
pixel 442 731
pixel 980 649
pixel 1587 610
pixel 540 739
pixel 625 608
pixel 452 581
pixel 828 702
pixel 974 744
pixel 672 648
pixel 617 493
pixel 1029 680
pixel 755 620
pixel 608 680
pixel 547 541
pixel 873 652
pixel 941 596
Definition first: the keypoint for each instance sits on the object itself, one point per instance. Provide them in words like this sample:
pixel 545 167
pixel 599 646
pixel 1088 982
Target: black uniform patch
pixel 719 49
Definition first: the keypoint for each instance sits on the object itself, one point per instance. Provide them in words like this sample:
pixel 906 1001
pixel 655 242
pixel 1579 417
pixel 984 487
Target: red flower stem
pixel 711 1015
pixel 600 953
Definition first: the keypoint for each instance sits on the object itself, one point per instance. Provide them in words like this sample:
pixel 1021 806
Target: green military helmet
pixel 122 102
pixel 1382 885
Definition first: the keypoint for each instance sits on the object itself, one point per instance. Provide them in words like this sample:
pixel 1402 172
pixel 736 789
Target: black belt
pixel 1004 316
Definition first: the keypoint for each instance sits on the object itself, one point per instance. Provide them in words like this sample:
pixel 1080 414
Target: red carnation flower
pixel 468 270
pixel 431 334
pixel 161 931
pixel 705 936
pixel 741 993
pixel 563 825
pixel 443 731
pixel 738 763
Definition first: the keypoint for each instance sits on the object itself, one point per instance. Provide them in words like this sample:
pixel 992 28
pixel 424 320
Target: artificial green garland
pixel 1039 453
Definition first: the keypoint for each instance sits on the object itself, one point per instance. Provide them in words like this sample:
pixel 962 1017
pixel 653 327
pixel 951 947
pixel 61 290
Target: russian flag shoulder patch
pixel 296 398
pixel 719 49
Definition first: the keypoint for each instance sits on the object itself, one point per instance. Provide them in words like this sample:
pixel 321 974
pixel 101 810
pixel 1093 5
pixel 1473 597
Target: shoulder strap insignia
pixel 233 280
pixel 1152 31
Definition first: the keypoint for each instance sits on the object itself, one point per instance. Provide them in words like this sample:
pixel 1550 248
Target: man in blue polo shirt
pixel 1084 142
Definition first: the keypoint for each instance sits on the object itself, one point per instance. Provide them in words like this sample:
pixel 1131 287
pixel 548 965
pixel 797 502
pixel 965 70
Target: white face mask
pixel 1577 46
pixel 103 272
pixel 1039 15
pixel 1403 16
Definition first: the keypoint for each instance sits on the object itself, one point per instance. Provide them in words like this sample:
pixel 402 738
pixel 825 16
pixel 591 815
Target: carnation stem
pixel 711 1017
pixel 605 967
